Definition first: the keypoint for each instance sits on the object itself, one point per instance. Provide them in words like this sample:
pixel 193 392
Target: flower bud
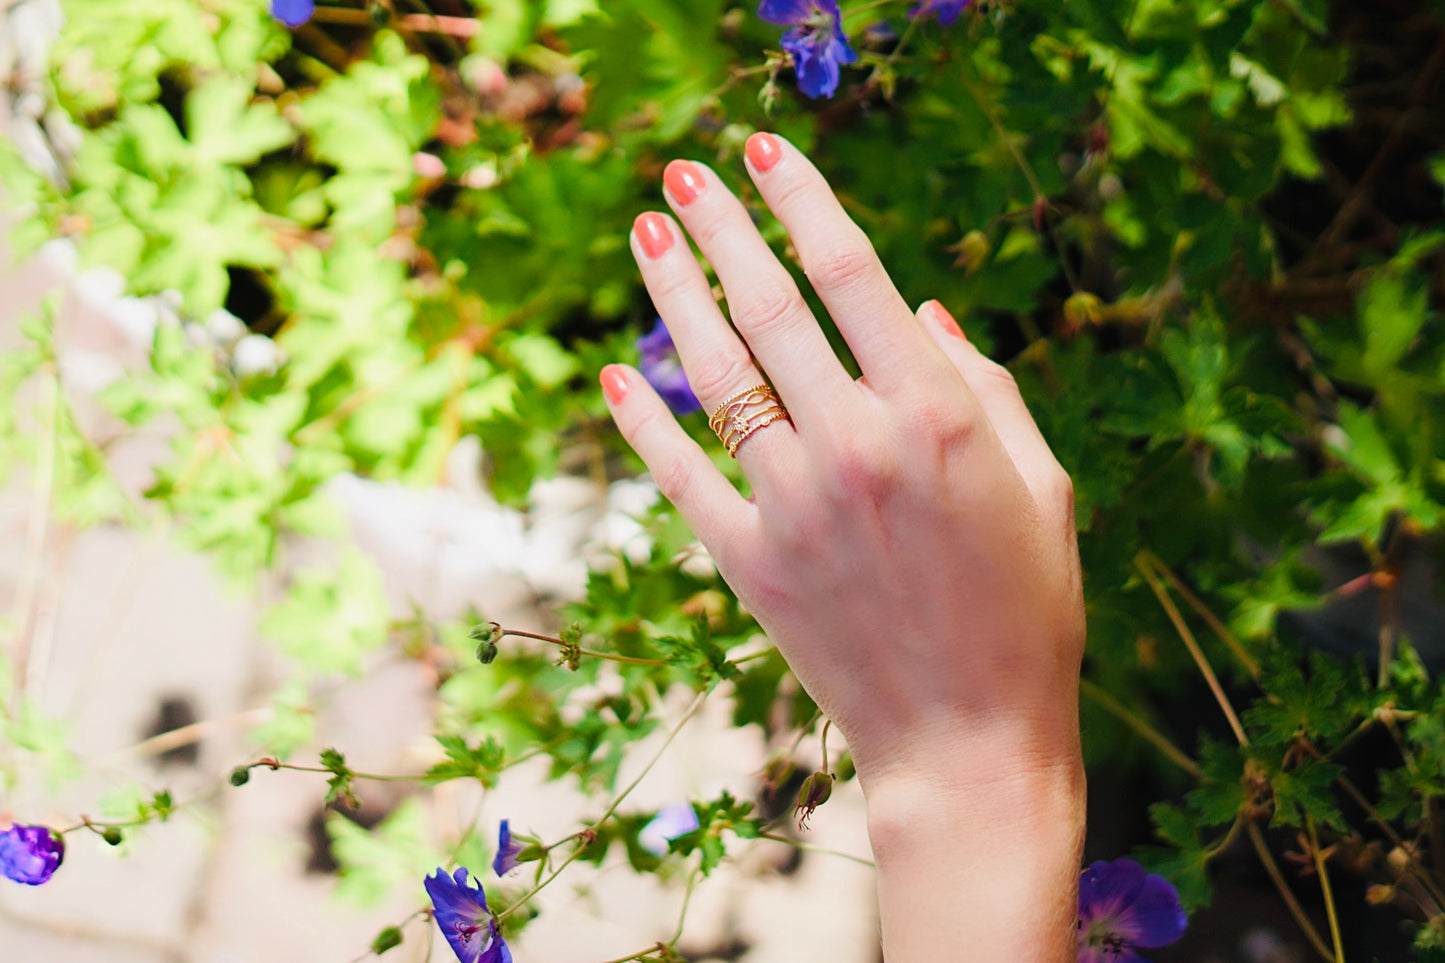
pixel 1082 308
pixel 973 249
pixel 387 939
pixel 112 836
pixel 240 775
pixel 815 791
pixel 487 636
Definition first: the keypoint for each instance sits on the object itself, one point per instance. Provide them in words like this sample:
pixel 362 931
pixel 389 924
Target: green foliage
pixel 432 232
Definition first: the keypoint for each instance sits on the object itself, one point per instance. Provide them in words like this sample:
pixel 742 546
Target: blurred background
pixel 301 312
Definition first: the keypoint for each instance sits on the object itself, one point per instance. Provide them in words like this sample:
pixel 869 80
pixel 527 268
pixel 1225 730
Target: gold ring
pixel 736 419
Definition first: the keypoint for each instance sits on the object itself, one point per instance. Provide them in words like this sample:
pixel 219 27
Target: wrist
pixel 980 855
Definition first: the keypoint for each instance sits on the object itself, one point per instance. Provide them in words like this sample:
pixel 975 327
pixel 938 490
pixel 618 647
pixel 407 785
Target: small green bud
pixel 972 250
pixel 387 939
pixel 240 775
pixel 112 836
pixel 1083 308
pixel 487 636
pixel 815 791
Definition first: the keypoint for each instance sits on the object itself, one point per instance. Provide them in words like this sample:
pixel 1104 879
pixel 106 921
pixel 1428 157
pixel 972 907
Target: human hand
pixel 909 546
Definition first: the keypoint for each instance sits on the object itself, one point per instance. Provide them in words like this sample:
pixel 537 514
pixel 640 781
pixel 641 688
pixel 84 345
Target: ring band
pixel 748 411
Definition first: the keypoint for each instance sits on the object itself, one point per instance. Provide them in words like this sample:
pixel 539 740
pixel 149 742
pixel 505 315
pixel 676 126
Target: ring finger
pixel 717 363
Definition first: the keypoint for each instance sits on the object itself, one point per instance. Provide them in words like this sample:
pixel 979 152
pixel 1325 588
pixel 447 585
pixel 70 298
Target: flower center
pixel 819 21
pixel 1099 936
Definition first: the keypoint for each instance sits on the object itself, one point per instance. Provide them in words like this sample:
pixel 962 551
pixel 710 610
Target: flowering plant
pixel 366 245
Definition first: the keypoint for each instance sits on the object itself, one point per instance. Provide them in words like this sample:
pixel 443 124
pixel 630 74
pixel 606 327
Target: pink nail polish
pixel 653 234
pixel 684 181
pixel 614 383
pixel 764 151
pixel 945 320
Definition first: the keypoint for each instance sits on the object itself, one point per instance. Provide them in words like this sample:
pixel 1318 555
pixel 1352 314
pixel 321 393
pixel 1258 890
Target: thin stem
pixel 1228 838
pixel 1141 726
pixel 1210 619
pixel 273 765
pixel 1325 889
pixel 592 653
pixel 798 844
pixel 686 902
pixel 1040 197
pixel 641 954
pixel 1180 626
pixel 36 525
pixel 823 739
pixel 1261 848
pixel 185 735
pixel 612 808
pixel 1424 875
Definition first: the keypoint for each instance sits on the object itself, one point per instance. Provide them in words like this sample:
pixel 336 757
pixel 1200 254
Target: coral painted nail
pixel 684 181
pixel 614 383
pixel 653 234
pixel 945 320
pixel 764 151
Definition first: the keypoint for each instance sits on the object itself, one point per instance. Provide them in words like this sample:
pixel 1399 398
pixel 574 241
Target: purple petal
pixel 947 11
pixel 507 850
pixel 669 823
pixel 662 368
pixel 30 854
pixel 461 914
pixel 787 11
pixel 1157 918
pixel 1107 888
pixel 293 13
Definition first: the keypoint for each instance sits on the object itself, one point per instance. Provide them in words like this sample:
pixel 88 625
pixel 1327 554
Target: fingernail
pixel 764 151
pixel 614 383
pixel 653 234
pixel 684 181
pixel 945 320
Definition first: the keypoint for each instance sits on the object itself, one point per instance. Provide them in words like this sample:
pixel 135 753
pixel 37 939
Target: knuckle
pixel 1059 489
pixel 771 308
pixel 997 376
pixel 720 373
pixel 844 267
pixel 863 473
pixel 674 477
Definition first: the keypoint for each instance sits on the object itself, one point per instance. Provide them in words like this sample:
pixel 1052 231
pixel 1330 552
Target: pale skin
pixel 909 547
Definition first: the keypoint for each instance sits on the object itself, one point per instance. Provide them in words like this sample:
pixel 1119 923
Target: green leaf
pixel 331 618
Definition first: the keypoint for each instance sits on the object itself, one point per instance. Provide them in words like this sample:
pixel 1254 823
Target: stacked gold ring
pixel 736 419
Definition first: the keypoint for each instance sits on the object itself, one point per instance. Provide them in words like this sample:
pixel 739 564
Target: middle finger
pixel 763 300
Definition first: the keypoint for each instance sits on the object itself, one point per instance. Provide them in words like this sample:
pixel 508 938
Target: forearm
pixel 979 869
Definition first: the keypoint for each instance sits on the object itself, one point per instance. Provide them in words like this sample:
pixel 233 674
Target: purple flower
pixel 669 823
pixel 816 43
pixel 663 370
pixel 1122 907
pixel 946 11
pixel 30 854
pixel 293 13
pixel 508 850
pixel 462 914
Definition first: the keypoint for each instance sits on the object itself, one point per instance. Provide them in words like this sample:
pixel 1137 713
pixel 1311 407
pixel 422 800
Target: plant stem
pixel 1261 848
pixel 1180 626
pixel 1227 637
pixel 810 848
pixel 612 808
pixel 609 656
pixel 1141 726
pixel 1325 889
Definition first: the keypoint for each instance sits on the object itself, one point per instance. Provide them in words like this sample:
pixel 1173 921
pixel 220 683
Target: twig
pixel 1210 619
pixel 1180 626
pixel 1141 726
pixel 1261 848
pixel 1329 896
